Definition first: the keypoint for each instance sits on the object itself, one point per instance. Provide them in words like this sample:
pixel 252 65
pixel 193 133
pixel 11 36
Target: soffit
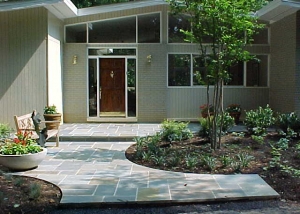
pixel 277 10
pixel 60 8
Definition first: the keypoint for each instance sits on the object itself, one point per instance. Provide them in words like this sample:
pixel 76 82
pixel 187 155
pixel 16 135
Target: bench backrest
pixel 24 122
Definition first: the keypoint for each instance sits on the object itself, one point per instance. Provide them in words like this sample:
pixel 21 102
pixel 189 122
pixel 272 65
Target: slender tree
pixel 230 26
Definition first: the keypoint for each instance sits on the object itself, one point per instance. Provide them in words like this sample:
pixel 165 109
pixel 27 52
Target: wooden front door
pixel 112 85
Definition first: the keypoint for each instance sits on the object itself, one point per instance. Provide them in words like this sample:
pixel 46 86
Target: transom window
pixel 189 70
pixel 142 29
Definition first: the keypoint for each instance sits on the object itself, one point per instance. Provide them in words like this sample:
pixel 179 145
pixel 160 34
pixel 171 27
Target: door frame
pixel 112 119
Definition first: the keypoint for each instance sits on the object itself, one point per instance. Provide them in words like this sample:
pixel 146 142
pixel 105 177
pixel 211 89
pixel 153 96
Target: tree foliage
pixel 91 3
pixel 230 26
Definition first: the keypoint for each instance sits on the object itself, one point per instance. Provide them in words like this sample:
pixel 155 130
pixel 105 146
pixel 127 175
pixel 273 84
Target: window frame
pixel 122 17
pixel 244 85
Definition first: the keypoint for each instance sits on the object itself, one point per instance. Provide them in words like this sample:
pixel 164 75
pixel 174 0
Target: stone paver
pixel 92 171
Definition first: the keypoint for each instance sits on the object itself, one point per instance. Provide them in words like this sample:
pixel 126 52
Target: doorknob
pixel 112 74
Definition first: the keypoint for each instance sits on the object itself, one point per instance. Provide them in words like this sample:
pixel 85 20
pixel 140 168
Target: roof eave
pixel 277 10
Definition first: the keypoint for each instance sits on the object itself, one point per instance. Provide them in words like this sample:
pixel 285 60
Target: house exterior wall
pixel 75 83
pixel 54 74
pixel 283 64
pixel 23 44
pixel 155 100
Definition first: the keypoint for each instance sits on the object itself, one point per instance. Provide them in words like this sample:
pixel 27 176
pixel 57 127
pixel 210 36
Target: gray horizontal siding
pixel 184 103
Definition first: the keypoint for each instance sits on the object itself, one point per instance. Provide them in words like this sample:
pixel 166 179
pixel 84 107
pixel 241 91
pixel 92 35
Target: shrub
pixel 175 131
pixel 5 131
pixel 204 127
pixel 288 120
pixel 228 122
pixel 257 121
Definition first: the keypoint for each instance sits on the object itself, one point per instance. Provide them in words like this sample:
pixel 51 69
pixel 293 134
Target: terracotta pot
pixel 23 162
pixel 52 117
pixel 236 116
pixel 205 115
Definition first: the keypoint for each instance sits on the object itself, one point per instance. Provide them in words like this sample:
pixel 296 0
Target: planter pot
pixel 23 162
pixel 205 115
pixel 52 117
pixel 236 116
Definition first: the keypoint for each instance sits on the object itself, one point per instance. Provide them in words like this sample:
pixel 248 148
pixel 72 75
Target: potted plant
pixel 234 111
pixel 205 109
pixel 22 152
pixel 51 114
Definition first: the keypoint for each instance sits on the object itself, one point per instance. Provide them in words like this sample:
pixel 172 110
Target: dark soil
pixel 287 185
pixel 19 194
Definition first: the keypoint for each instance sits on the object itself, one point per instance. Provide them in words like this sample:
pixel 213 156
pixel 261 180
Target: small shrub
pixel 174 160
pixel 5 131
pixel 257 121
pixel 283 144
pixel 236 166
pixel 35 191
pixel 204 127
pixel 18 182
pixel 209 162
pixel 175 131
pixel 158 160
pixel 146 156
pixel 244 159
pixel 191 161
pixel 225 160
pixel 258 139
pixel 228 122
pixel 288 120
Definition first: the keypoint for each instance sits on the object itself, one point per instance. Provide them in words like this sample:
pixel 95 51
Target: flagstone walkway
pixel 90 166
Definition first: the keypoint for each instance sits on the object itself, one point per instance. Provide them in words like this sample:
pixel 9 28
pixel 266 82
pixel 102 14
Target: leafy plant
pixel 283 143
pixel 204 127
pixel 258 139
pixel 50 109
pixel 225 160
pixel 257 121
pixel 158 160
pixel 175 131
pixel 18 182
pixel 191 161
pixel 209 162
pixel 234 108
pixel 35 191
pixel 146 156
pixel 5 131
pixel 244 159
pixel 22 144
pixel 288 120
pixel 228 122
pixel 174 160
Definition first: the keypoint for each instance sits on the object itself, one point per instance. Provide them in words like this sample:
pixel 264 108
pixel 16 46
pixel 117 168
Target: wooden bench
pixel 25 123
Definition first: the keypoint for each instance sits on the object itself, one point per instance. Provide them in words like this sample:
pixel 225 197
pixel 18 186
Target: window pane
pixel 236 73
pixel 261 37
pixel 92 88
pixel 76 34
pixel 177 22
pixel 257 71
pixel 111 51
pixel 113 31
pixel 131 87
pixel 149 28
pixel 179 70
pixel 199 71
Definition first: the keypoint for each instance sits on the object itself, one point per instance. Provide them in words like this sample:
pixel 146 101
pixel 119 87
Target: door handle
pixel 100 93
